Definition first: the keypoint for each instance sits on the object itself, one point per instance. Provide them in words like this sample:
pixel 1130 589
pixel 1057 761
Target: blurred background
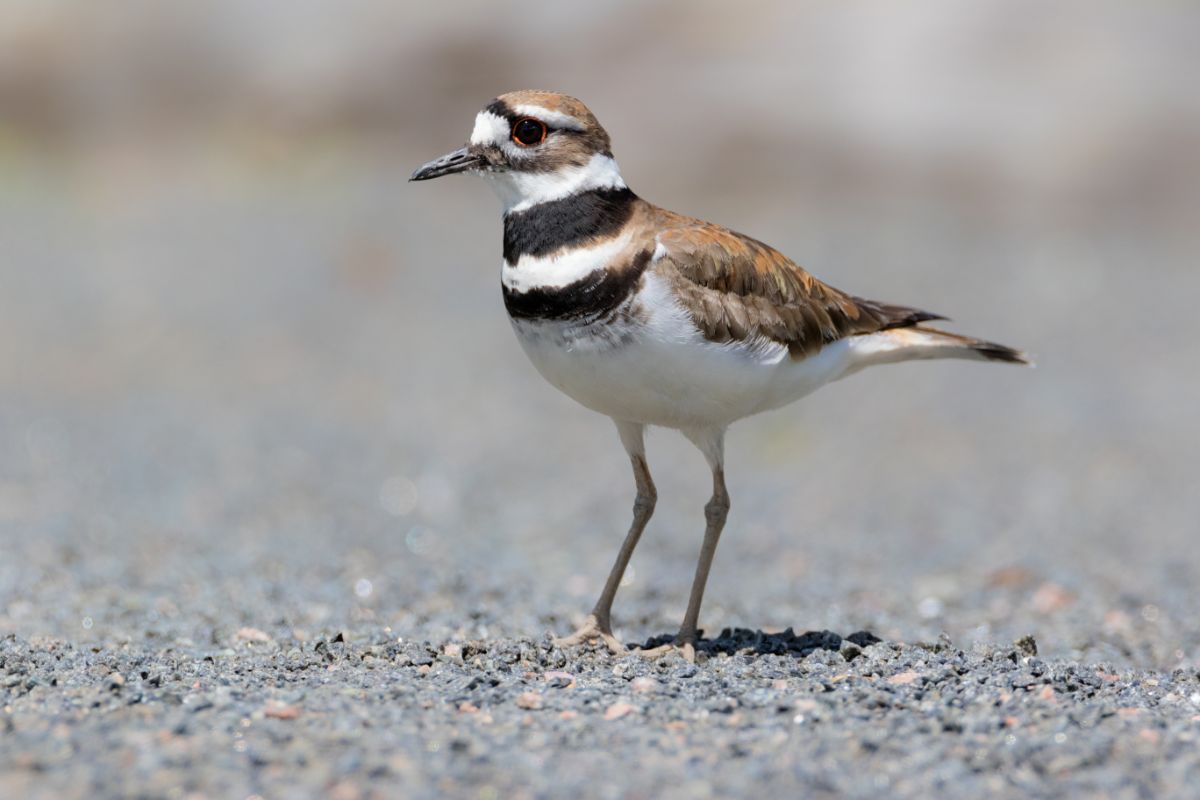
pixel 251 377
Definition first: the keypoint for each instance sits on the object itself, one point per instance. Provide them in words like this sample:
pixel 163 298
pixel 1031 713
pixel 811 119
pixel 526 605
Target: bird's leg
pixel 599 622
pixel 715 512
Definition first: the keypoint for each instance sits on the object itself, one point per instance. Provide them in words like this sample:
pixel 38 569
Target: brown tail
pixel 916 342
pixel 914 339
pixel 965 346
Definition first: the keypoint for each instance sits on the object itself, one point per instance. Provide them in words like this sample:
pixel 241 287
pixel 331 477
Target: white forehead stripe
pixel 555 119
pixel 489 128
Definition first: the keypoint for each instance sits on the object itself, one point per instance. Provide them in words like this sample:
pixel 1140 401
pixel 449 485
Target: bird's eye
pixel 528 131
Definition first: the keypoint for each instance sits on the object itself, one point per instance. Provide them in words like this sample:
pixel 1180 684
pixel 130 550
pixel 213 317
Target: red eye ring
pixel 529 132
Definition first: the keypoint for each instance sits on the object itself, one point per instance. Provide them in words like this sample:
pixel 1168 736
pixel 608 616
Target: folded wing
pixel 738 289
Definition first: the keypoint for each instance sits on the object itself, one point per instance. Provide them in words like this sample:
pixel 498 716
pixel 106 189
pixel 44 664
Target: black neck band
pixel 547 227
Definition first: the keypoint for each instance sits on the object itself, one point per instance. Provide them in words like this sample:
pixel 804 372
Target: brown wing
pixel 738 289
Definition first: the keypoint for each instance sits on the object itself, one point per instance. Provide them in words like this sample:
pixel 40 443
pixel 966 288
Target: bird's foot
pixel 592 630
pixel 684 646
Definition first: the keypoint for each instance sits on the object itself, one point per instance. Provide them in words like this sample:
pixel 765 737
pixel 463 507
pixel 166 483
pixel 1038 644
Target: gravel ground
pixel 382 716
pixel 284 512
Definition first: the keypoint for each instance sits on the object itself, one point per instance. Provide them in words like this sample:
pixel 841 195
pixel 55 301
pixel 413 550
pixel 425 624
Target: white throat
pixel 521 190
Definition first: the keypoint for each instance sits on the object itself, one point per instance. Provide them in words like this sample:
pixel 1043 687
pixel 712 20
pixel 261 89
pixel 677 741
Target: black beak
pixel 460 160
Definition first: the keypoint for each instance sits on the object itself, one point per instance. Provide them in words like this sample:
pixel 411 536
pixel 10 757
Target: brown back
pixel 737 289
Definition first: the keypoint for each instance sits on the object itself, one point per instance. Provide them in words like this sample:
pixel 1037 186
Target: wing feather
pixel 738 289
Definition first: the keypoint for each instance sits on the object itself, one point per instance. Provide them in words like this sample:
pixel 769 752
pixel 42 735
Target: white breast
pixel 649 363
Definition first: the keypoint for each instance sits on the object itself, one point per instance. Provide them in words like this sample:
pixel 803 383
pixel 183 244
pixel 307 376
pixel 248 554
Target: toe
pixel 614 646
pixel 656 652
pixel 590 631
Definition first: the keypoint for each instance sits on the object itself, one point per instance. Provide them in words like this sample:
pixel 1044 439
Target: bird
pixel 656 319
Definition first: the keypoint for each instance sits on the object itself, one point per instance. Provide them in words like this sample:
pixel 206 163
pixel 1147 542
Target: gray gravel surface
pixel 284 512
pixel 520 718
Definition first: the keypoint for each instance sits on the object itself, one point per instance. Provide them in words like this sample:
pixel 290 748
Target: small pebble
pixel 644 685
pixel 618 710
pixel 559 680
pixel 253 635
pixel 529 700
pixel 280 711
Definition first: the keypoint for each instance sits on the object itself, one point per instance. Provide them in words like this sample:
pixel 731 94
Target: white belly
pixel 650 364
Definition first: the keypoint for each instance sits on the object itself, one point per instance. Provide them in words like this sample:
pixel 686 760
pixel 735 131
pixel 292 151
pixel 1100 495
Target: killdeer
pixel 653 318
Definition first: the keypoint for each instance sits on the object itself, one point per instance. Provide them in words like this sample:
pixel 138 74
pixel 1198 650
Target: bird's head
pixel 533 147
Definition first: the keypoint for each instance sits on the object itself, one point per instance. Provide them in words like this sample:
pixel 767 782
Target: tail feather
pixel 922 342
pixel 988 351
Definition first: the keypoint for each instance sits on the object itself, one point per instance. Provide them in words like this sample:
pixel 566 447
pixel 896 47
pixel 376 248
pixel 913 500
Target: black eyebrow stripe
pixel 501 109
